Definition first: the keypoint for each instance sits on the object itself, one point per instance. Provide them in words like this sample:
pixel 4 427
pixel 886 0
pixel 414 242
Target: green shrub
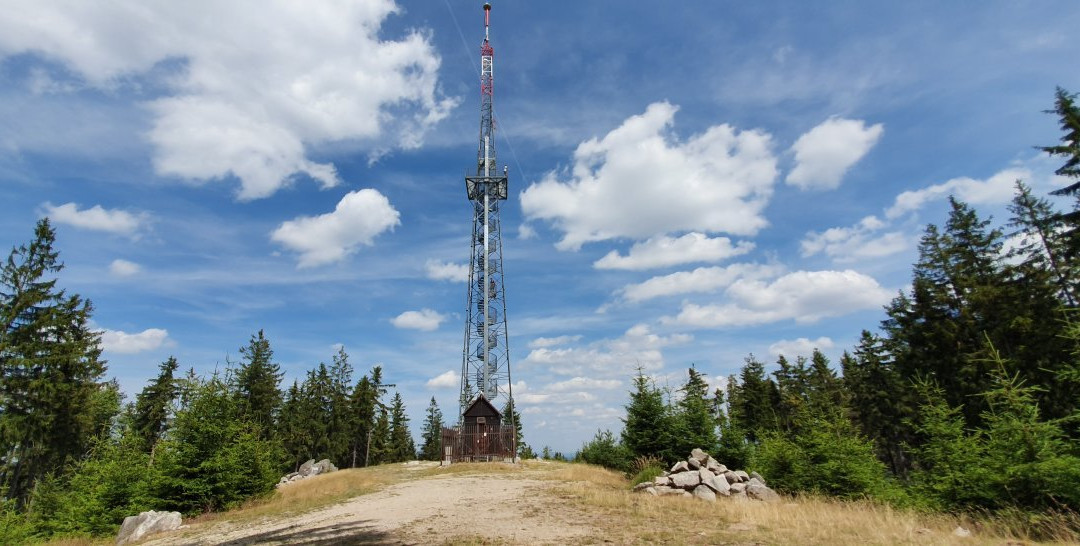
pixel 826 457
pixel 605 451
pixel 14 527
pixel 646 475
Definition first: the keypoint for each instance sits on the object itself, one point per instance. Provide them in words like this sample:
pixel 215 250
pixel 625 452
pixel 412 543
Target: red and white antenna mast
pixel 485 365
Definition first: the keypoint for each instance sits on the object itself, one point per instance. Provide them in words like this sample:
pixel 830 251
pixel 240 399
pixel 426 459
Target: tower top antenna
pixel 487 19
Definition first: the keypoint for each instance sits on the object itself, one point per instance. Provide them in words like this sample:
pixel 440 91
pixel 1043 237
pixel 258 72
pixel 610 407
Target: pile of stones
pixel 703 477
pixel 307 470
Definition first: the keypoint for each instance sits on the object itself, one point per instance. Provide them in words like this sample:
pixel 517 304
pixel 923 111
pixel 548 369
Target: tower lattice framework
pixel 485 363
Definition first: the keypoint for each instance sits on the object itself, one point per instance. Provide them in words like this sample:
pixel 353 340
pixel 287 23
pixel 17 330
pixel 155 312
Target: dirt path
pixel 503 508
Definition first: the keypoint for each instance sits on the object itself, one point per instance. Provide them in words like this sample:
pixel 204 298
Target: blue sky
pixel 689 183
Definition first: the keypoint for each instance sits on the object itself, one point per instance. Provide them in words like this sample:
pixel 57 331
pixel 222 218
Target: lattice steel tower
pixel 485 361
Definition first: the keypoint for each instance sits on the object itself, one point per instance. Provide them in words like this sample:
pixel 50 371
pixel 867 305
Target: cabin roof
pixel 479 406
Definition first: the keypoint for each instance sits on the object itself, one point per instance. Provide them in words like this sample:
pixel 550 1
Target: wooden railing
pixel 470 443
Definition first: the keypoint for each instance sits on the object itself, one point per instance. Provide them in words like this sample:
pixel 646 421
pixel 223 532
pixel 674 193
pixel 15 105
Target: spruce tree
pixel 646 430
pixel 696 423
pixel 50 367
pixel 256 383
pixel 380 449
pixel 153 405
pixel 341 424
pixel 1042 250
pixel 754 400
pixel 402 447
pixel 511 416
pixel 1068 113
pixel 431 448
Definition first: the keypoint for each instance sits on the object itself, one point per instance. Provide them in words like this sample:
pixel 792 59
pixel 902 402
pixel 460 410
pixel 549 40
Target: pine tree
pixel 153 404
pixel 341 423
pixel 402 447
pixel 256 383
pixel 696 423
pixel 1068 113
pixel 381 442
pixel 646 430
pixel 754 400
pixel 791 386
pixel 431 449
pixel 1042 251
pixel 293 429
pixel 50 367
pixel 511 416
pixel 825 391
pixel 881 401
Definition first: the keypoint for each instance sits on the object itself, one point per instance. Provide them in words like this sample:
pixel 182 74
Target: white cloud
pixel 856 242
pixel 611 358
pixel 251 87
pixel 424 319
pixel 445 271
pixel 823 154
pixel 526 231
pixel 330 237
pixel 702 279
pixel 800 347
pixel 124 268
pixel 997 189
pixel 96 218
pixel 638 181
pixel 803 296
pixel 446 380
pixel 117 341
pixel 664 251
pixel 552 341
pixel 584 384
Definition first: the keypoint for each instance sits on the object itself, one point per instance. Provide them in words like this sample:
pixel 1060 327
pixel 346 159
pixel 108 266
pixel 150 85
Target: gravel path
pixel 499 508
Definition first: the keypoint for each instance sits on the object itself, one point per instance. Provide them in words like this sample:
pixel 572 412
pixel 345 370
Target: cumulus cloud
pixel 702 279
pixel 664 251
pixel 426 320
pixel 858 242
pixel 446 271
pixel 997 189
pixel 584 384
pixel 552 341
pixel 118 341
pixel 825 153
pixel 330 237
pixel 609 358
pixel 124 268
pixel 249 89
pixel 803 296
pixel 800 347
pixel 96 218
pixel 446 380
pixel 638 181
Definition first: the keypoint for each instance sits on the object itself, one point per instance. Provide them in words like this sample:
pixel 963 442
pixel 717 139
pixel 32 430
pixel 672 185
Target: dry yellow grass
pixel 627 517
pixel 615 514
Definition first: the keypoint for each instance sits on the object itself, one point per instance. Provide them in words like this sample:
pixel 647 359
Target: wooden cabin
pixel 481 436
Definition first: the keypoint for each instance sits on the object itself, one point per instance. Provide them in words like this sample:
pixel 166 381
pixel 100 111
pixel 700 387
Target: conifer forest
pixel 964 399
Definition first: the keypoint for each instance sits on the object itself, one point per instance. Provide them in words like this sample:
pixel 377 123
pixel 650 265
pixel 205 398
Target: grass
pixel 615 514
pixel 626 517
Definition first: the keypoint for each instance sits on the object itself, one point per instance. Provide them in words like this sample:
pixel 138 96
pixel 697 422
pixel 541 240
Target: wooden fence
pixel 471 443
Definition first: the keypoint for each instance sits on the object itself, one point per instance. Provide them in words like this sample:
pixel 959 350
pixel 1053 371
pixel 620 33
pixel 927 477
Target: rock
pixel 325 466
pixel 687 494
pixel 680 466
pixel 755 481
pixel 705 493
pixel 650 491
pixel 699 455
pixel 642 486
pixel 668 491
pixel 740 495
pixel 761 493
pixel 136 527
pixel 714 466
pixel 686 480
pixel 305 469
pixel 721 486
pixel 731 477
pixel 961 532
pixel 693 463
pixel 663 481
pixel 758 476
pixel 743 476
pixel 737 488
